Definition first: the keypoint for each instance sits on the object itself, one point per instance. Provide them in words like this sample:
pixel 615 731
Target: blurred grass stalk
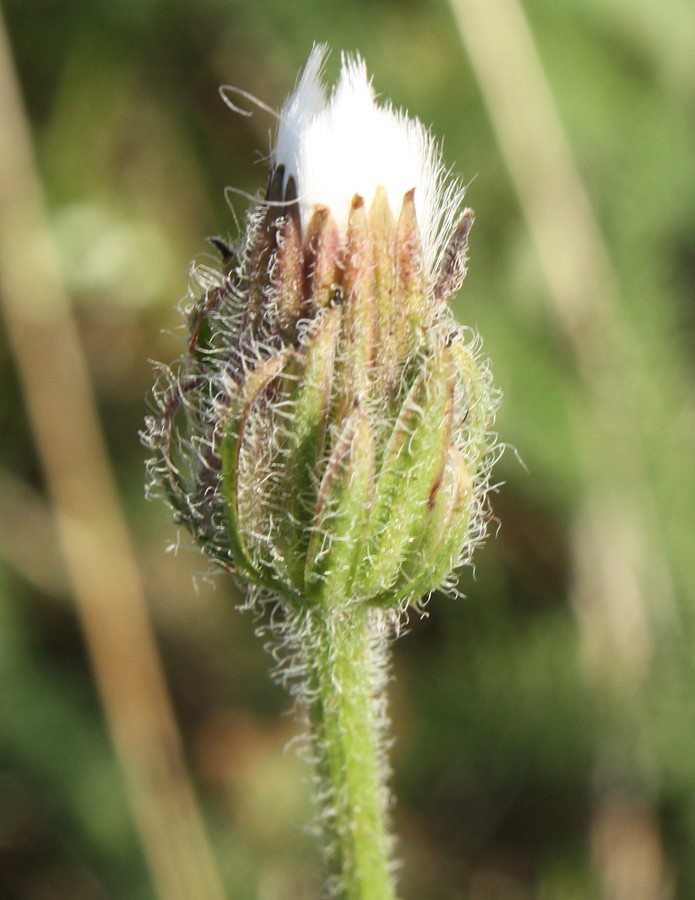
pixel 100 561
pixel 619 566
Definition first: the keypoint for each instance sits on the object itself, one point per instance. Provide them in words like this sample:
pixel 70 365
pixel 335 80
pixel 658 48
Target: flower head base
pixel 328 434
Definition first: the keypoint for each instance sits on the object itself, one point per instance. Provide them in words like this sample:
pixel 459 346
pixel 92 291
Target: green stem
pixel 344 655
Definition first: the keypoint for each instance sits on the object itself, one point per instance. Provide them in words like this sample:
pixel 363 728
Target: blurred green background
pixel 545 724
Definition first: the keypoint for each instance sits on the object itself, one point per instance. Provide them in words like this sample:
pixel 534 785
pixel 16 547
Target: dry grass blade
pixel 585 301
pixel 100 562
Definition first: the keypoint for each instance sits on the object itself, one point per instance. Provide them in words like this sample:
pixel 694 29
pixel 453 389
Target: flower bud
pixel 328 437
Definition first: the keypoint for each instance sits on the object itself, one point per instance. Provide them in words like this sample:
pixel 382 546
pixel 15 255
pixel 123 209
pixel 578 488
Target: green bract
pixel 327 436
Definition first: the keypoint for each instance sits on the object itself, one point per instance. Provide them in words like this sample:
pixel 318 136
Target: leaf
pixel 245 470
pixel 302 433
pixel 412 467
pixel 443 534
pixel 342 512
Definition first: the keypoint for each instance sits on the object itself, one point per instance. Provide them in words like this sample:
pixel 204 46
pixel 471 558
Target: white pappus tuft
pixel 348 144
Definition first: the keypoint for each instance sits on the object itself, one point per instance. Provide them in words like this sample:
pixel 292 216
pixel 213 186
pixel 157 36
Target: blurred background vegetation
pixel 545 724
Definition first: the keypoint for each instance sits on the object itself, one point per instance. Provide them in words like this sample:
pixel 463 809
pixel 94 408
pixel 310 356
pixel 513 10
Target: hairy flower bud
pixel 327 436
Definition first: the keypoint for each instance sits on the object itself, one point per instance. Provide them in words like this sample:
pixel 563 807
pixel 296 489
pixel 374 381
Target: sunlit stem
pixel 344 657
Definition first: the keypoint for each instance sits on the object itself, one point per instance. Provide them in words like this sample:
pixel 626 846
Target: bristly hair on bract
pixel 328 430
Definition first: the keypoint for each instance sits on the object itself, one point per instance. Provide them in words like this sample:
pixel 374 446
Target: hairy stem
pixel 344 655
